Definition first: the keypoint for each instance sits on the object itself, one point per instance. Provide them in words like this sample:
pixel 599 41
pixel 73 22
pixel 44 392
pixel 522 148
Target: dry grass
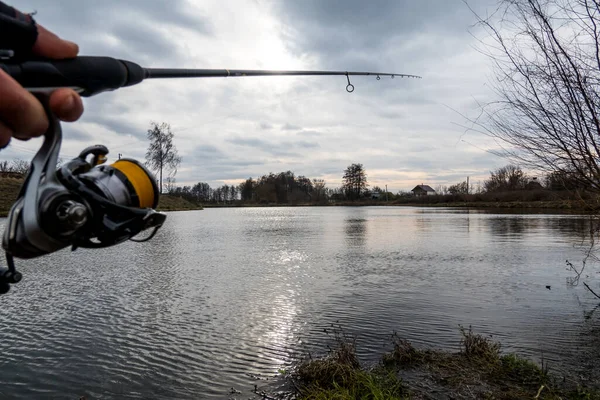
pixel 339 375
pixel 477 371
pixel 171 203
pixel 9 190
pixel 404 353
pixel 478 347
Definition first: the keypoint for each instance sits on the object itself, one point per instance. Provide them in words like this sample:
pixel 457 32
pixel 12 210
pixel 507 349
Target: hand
pixel 21 115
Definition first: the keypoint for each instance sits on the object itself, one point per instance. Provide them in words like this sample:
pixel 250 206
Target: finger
pixel 20 110
pixel 66 104
pixel 51 46
pixel 5 135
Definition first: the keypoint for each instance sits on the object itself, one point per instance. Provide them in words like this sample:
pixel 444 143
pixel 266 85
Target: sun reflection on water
pixel 287 266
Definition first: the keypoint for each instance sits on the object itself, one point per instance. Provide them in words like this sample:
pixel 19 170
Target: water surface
pixel 224 298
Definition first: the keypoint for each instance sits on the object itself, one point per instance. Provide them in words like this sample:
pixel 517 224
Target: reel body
pixel 82 204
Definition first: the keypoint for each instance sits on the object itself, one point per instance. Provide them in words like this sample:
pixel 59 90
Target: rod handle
pixel 87 74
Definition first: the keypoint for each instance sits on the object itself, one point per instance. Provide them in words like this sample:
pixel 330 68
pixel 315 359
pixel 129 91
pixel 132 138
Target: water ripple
pixel 225 298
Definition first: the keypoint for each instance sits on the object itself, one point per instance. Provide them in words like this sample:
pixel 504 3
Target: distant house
pixel 423 190
pixel 375 195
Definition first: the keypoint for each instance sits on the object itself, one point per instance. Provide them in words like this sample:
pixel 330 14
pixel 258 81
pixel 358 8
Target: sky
pixel 404 131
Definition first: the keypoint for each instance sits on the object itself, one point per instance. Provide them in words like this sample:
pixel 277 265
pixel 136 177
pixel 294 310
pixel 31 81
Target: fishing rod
pixel 86 203
pixel 92 75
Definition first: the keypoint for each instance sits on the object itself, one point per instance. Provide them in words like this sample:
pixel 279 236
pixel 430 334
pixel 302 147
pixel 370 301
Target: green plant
pixel 522 370
pixel 375 385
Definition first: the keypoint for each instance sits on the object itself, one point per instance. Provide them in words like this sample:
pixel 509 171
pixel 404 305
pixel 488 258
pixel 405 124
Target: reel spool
pixel 82 204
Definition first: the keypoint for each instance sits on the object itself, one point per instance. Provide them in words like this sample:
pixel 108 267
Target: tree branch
pixel 590 289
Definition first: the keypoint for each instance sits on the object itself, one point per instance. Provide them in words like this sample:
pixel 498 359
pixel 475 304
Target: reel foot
pixel 7 276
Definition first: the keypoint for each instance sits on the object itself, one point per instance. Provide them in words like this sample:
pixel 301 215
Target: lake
pixel 224 298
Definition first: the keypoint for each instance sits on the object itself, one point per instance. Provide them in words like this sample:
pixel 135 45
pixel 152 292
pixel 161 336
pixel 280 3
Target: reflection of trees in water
pixel 352 260
pixel 352 257
pixel 574 228
pixel 571 227
pixel 356 230
pixel 422 223
pixel 507 226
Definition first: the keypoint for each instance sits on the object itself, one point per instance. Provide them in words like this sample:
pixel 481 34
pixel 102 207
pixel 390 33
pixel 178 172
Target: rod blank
pixel 223 73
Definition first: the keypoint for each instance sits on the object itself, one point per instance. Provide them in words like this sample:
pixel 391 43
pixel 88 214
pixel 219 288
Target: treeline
pixel 15 168
pixel 512 178
pixel 201 192
pixel 509 183
pixel 281 188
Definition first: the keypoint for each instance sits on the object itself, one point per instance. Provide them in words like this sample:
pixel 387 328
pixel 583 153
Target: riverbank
pixel 9 190
pixel 568 205
pixel 171 203
pixel 478 370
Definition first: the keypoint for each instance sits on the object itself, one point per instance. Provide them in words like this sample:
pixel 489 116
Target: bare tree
pixel 441 189
pixel 355 181
pixel 546 55
pixel 319 189
pixel 5 166
pixel 170 184
pixel 459 188
pixel 162 153
pixel 508 178
pixel 20 166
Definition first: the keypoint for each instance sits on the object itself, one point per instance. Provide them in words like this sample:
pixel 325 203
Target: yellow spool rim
pixel 141 180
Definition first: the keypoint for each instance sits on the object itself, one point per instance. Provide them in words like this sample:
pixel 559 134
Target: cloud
pixel 309 133
pixel 120 126
pixel 402 130
pixel 290 127
pixel 75 133
pixel 250 142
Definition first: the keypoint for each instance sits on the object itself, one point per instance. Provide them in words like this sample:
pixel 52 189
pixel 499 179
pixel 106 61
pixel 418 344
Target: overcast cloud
pixel 404 131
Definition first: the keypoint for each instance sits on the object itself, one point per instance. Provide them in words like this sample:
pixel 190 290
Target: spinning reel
pixel 82 204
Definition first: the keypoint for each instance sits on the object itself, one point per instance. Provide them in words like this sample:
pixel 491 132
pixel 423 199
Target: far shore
pixel 545 206
pixel 561 205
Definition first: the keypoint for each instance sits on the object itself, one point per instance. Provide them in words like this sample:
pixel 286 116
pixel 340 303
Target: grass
pixel 339 376
pixel 478 370
pixel 361 385
pixel 9 190
pixel 171 203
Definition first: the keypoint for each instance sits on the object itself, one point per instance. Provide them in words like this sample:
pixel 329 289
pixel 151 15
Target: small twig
pixel 469 389
pixel 296 386
pixel 537 396
pixel 590 289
